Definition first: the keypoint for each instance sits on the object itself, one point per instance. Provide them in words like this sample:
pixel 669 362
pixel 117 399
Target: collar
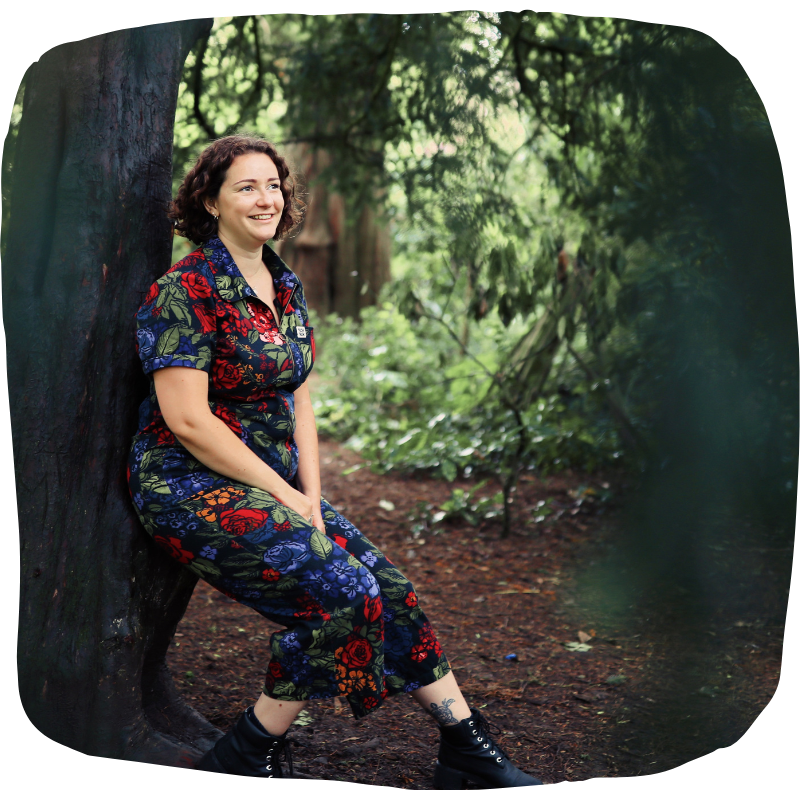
pixel 231 284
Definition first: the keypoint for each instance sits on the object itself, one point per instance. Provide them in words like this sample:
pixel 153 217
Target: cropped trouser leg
pixel 352 623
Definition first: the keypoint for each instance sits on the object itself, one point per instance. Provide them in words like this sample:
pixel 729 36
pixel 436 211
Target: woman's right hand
pixel 297 501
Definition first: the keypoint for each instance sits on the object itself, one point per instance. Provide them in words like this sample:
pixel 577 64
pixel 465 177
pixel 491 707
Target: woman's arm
pixel 183 398
pixel 305 436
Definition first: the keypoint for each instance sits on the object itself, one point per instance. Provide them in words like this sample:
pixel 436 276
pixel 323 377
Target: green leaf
pixel 168 341
pixel 449 470
pixel 321 544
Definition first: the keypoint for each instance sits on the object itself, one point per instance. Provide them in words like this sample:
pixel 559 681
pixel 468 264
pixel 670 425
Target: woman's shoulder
pixel 190 274
pixel 188 280
pixel 193 263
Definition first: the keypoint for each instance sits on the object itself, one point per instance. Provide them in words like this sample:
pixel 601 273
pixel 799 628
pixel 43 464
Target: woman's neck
pixel 249 261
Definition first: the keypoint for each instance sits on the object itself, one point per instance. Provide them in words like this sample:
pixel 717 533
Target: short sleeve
pixel 176 326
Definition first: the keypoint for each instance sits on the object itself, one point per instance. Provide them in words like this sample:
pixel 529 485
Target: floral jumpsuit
pixel 352 623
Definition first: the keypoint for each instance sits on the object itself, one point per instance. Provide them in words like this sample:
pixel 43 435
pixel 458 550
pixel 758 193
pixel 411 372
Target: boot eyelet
pixel 491 752
pixel 499 760
pixel 480 738
pixel 485 745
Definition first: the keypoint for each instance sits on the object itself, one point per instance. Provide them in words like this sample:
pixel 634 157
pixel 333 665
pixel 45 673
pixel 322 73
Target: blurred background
pixel 533 241
pixel 543 245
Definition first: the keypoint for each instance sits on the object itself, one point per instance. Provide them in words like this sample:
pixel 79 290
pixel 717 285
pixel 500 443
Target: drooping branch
pixel 197 89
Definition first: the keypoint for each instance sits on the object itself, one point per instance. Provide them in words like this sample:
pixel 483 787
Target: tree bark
pixel 86 237
pixel 343 262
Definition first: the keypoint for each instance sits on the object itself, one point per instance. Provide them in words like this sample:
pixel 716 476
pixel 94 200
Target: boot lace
pixel 488 730
pixel 281 747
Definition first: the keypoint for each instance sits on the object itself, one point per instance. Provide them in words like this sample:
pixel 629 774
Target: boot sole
pixel 450 778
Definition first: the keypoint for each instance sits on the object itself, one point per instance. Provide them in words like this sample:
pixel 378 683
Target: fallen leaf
pixel 577 647
pixel 584 637
pixel 386 505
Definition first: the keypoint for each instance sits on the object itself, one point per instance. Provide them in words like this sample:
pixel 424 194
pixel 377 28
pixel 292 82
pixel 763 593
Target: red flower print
pixel 411 600
pixel 239 521
pixel 341 541
pixel 270 574
pixel 229 418
pixel 208 322
pixel 284 526
pixel 225 375
pixel 356 653
pixel 164 436
pixel 426 635
pixel 173 546
pixel 196 285
pixel 260 319
pixel 418 652
pixel 236 546
pixel 310 607
pixel 151 295
pixel 373 608
pixel 370 702
pixel 275 670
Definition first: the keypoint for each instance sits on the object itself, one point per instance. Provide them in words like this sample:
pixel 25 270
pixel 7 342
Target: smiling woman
pixel 224 474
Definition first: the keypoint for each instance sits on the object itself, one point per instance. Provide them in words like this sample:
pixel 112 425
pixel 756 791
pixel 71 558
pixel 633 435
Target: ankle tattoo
pixel 442 713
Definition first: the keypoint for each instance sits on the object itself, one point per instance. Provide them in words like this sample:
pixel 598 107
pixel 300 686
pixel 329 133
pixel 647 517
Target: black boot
pixel 467 753
pixel 247 749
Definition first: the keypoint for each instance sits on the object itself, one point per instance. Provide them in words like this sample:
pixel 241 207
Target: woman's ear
pixel 211 206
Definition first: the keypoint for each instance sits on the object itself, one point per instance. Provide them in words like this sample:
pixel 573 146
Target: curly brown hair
pixel 205 178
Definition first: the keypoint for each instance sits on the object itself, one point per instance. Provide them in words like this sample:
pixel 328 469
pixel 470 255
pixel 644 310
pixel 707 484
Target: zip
pixel 288 302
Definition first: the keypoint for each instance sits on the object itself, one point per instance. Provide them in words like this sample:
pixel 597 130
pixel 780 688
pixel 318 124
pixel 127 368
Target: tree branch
pixel 628 431
pixel 197 89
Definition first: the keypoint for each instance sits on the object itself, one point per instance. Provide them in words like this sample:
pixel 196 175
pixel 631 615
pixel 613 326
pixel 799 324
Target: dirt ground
pixel 669 673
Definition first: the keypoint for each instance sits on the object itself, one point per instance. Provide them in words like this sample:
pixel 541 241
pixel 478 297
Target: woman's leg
pixel 277 715
pixel 443 700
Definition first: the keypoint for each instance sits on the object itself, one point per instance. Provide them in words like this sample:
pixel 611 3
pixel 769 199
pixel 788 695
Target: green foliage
pixel 407 399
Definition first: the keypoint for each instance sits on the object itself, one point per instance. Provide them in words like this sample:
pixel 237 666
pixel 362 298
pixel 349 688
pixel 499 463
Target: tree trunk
pixel 342 262
pixel 87 235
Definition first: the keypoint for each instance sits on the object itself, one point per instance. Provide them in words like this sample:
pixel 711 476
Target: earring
pixel 215 216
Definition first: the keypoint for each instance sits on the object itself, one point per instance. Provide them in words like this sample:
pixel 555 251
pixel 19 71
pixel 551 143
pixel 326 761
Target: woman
pixel 224 473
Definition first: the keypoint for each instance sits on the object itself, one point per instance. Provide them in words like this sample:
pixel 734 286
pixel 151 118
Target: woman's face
pixel 250 203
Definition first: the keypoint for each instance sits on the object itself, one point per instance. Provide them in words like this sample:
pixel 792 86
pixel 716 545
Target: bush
pixel 403 395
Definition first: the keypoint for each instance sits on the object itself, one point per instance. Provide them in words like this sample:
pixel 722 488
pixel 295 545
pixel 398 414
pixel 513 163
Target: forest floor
pixel 673 670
